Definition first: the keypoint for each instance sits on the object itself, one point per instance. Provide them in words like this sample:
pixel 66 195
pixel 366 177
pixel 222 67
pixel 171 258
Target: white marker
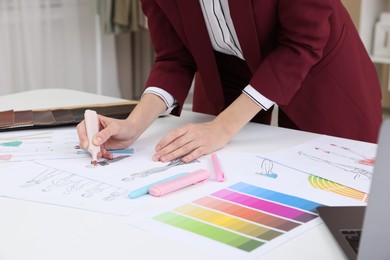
pixel 92 125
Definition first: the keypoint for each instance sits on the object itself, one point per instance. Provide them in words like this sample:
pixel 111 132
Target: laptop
pixel 363 232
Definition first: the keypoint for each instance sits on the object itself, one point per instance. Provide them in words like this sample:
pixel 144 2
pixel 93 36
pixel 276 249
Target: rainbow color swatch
pixel 242 216
pixel 330 186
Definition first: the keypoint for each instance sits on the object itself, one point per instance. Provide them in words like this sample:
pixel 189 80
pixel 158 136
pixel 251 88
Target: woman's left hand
pixel 192 141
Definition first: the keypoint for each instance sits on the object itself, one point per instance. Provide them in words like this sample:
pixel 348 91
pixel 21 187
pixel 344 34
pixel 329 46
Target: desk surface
pixel 30 230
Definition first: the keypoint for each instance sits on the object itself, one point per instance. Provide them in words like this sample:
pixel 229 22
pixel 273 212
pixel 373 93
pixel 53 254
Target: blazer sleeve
pixel 303 32
pixel 174 67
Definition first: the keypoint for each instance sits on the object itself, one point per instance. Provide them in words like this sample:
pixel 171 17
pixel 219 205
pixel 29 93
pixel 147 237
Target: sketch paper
pixel 129 173
pixel 344 161
pixel 250 214
pixel 254 166
pixel 47 166
pixel 31 145
pixel 74 182
pixel 58 148
pixel 34 182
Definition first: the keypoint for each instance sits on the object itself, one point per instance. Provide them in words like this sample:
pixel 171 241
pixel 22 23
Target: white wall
pixel 52 44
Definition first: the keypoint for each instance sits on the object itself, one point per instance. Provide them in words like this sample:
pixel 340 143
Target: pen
pixel 179 183
pixel 145 190
pixel 217 168
pixel 92 126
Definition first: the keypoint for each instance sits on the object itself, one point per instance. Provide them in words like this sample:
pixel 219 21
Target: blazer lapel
pixel 242 15
pixel 200 46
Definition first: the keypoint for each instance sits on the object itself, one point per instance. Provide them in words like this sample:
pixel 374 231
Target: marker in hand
pixel 92 126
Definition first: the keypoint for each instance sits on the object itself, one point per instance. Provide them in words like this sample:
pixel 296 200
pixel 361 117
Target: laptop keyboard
pixel 353 237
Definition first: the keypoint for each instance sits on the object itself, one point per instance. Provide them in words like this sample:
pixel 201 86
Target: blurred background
pixel 103 46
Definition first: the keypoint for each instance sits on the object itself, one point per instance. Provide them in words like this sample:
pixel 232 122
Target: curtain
pixel 55 44
pixel 134 51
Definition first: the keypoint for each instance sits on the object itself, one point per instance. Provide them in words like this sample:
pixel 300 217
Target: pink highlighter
pixel 92 126
pixel 179 183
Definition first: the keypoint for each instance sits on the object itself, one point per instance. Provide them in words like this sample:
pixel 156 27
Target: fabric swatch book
pixel 27 119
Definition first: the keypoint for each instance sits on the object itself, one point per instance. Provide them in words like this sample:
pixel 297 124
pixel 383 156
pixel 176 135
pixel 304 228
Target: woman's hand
pixel 192 141
pixel 114 134
pixel 120 134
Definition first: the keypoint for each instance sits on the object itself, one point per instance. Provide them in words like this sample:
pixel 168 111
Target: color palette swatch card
pixel 243 219
pixel 242 216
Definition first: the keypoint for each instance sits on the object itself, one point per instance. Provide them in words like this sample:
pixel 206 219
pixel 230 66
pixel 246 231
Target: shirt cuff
pixel 261 100
pixel 168 99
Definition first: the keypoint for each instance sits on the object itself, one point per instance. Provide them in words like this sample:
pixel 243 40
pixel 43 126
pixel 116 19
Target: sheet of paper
pixel 130 173
pixel 261 205
pixel 31 145
pixel 47 166
pixel 344 161
pixel 35 182
pixel 260 169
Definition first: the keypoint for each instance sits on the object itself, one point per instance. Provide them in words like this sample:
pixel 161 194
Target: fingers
pixel 82 134
pixel 188 142
pixel 167 147
pixel 104 134
pixel 105 154
pixel 195 154
pixel 189 152
pixel 100 138
pixel 113 134
pixel 170 137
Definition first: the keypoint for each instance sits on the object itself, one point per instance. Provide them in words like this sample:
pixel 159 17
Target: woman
pixel 304 55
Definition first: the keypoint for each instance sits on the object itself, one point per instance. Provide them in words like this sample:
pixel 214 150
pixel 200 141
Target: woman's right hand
pixel 121 133
pixel 113 134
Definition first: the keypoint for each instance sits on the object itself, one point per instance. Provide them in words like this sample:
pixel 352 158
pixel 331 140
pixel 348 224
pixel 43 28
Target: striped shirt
pixel 223 39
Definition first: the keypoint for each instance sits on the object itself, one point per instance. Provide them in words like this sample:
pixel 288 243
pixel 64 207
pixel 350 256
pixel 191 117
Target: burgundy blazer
pixel 305 55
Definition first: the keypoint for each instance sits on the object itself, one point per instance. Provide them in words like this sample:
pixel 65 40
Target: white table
pixel 30 230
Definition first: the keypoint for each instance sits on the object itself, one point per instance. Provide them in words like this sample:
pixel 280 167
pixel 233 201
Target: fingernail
pixel 155 157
